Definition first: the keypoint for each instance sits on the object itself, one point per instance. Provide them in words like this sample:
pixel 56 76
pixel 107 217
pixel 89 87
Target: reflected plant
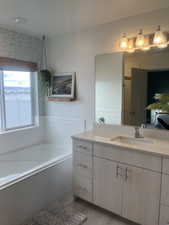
pixel 162 103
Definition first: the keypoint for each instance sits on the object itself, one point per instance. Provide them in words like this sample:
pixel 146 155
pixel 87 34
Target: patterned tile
pixel 19 46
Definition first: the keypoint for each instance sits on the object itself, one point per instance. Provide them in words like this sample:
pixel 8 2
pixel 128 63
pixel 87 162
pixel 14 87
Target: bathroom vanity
pixel 125 175
pixel 113 170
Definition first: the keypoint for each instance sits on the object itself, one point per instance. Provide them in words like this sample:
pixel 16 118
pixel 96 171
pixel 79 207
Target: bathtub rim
pixel 35 170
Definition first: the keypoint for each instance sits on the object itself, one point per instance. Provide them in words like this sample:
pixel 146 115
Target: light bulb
pixel 124 42
pixel 140 40
pixel 159 37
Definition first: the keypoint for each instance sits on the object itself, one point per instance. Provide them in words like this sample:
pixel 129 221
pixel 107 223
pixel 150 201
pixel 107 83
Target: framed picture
pixel 63 85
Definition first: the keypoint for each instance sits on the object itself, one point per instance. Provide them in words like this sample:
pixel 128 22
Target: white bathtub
pixel 32 178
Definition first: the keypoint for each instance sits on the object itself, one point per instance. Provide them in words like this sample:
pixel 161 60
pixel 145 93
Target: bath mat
pixel 66 216
pixel 46 219
pixel 77 219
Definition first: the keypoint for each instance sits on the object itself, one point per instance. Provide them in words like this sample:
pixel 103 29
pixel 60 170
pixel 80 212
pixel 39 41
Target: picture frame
pixel 63 85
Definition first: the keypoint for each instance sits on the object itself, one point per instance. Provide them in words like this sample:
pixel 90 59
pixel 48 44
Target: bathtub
pixel 31 178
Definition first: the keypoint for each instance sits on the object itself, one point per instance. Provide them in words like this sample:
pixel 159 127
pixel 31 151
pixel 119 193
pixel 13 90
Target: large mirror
pixel 128 85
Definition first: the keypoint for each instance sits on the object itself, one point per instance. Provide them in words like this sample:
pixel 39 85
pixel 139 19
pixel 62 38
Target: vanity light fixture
pixel 140 40
pixel 131 48
pixel 160 38
pixel 165 45
pixel 124 42
pixel 146 48
pixel 147 45
pixel 144 42
pixel 131 44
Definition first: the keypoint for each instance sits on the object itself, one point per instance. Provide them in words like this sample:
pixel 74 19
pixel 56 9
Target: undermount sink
pixel 102 138
pixel 132 141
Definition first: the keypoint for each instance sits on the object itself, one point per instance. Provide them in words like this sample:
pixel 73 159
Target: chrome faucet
pixel 101 120
pixel 137 133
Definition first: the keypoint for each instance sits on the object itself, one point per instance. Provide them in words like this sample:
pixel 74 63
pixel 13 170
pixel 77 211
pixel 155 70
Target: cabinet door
pixel 108 185
pixel 165 190
pixel 164 215
pixel 141 196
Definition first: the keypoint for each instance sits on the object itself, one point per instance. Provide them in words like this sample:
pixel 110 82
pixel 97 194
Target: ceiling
pixel 51 17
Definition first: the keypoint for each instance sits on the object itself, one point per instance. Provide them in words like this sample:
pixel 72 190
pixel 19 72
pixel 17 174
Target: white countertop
pixel 158 147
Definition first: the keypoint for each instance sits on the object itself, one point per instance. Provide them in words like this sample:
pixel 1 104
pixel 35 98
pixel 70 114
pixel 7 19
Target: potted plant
pixel 162 103
pixel 45 74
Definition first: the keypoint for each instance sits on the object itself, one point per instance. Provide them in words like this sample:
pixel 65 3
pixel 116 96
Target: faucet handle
pixel 137 132
pixel 143 125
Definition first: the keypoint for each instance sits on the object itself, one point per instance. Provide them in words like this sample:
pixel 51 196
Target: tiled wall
pixel 58 130
pixel 19 46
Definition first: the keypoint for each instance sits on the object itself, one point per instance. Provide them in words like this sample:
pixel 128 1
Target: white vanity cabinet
pixel 131 192
pixel 123 181
pixel 141 195
pixel 164 209
pixel 82 170
pixel 132 177
pixel 108 185
pixel 164 215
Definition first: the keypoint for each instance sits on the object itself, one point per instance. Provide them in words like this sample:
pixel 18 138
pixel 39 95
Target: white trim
pixel 34 106
pixel 36 99
pixel 1 112
pixel 3 118
pixel 4 132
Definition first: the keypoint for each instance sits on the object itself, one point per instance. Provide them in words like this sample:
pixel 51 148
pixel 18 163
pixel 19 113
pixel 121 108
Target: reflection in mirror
pixel 108 88
pixel 146 74
pixel 126 85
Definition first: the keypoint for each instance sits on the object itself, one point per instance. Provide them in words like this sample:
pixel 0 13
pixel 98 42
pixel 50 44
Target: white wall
pixel 77 51
pixel 108 88
pixel 22 47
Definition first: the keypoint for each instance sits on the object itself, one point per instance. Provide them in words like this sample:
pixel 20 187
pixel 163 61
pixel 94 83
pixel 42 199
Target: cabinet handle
pixel 83 166
pixel 117 171
pixel 126 174
pixel 83 147
pixel 83 189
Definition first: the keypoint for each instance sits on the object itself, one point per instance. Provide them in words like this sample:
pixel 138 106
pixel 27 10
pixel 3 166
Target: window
pixel 18 102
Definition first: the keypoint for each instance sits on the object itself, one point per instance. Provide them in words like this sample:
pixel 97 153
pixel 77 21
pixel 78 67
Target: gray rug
pixel 55 215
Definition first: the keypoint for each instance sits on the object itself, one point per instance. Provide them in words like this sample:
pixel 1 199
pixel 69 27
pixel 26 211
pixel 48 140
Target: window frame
pixel 19 66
